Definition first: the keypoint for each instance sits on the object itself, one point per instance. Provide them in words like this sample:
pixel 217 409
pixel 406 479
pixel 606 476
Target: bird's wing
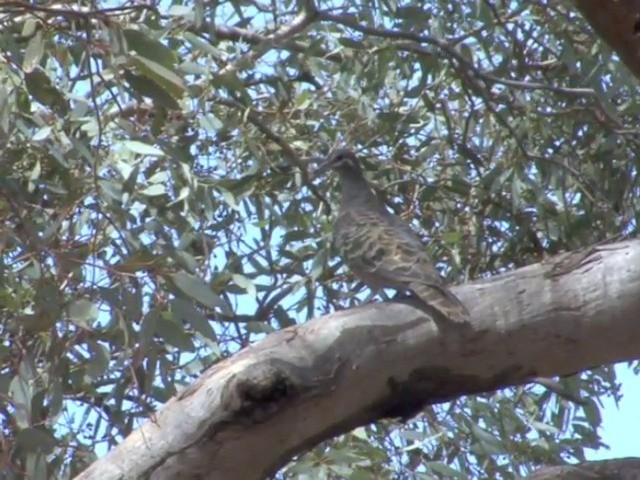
pixel 375 244
pixel 385 251
pixel 442 300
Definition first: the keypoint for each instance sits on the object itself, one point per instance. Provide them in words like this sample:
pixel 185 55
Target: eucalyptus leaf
pixel 198 290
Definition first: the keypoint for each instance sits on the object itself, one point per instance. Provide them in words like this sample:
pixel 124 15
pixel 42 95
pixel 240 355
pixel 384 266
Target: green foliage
pixel 158 214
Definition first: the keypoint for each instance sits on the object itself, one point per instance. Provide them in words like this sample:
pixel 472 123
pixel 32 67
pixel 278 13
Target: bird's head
pixel 343 161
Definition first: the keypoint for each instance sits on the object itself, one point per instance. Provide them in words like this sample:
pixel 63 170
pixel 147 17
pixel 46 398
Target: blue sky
pixel 620 423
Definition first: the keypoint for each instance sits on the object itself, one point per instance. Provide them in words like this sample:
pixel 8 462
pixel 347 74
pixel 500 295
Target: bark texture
pixel 250 414
pixel 616 469
pixel 617 22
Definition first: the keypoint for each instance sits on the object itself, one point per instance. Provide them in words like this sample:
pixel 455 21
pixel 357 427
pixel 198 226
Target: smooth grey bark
pixel 616 469
pixel 250 414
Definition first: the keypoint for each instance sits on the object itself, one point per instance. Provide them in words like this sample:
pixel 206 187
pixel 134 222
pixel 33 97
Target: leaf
pixel 160 177
pixel 150 48
pixel 154 190
pixel 34 323
pixel 33 53
pixel 186 311
pixel 42 133
pixel 164 77
pixel 142 148
pixel 210 123
pixel 283 319
pixel 229 199
pixel 592 413
pixel 318 264
pixel 40 87
pixel 297 236
pixel 182 11
pixel 55 395
pixel 21 392
pixel 148 328
pixel 446 470
pixel 350 43
pixel 148 88
pixel 111 189
pixel 197 289
pixel 83 313
pixel 488 443
pixel 140 261
pixel 200 44
pixel 460 186
pixel 36 466
pixel 452 238
pixel 36 440
pixel 99 361
pixel 173 333
pixel 543 427
pixel 29 27
pixel 245 283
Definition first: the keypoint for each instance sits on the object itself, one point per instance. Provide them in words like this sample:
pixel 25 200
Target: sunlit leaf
pixel 142 148
pixel 33 53
pixel 83 313
pixel 20 392
pixel 244 283
pixel 154 190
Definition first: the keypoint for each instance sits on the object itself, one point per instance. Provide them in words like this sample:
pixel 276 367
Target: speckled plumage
pixel 380 248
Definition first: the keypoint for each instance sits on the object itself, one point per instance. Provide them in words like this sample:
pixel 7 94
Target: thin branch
pixel 413 43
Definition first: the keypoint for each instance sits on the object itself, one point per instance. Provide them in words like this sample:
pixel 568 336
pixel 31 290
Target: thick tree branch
pixel 618 24
pixel 250 414
pixel 616 469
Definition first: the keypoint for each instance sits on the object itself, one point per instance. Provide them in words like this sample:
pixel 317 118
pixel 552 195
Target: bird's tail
pixel 442 300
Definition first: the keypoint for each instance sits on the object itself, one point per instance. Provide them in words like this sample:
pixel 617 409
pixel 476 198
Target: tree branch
pixel 618 24
pixel 308 383
pixel 615 469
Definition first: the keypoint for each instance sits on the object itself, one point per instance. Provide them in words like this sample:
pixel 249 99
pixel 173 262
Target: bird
pixel 380 248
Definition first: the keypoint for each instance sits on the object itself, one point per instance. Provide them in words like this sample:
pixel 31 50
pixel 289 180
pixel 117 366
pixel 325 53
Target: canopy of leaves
pixel 158 213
